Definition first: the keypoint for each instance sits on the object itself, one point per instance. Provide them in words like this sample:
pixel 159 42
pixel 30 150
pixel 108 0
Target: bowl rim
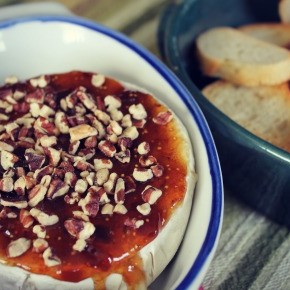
pixel 215 222
pixel 168 44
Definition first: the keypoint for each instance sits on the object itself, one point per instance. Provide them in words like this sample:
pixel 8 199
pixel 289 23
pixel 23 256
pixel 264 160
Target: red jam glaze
pixel 113 247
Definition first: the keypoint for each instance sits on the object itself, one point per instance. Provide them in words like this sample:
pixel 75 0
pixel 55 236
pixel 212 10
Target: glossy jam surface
pixel 114 245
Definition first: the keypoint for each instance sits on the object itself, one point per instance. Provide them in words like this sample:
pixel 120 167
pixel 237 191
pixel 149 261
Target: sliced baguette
pixel 275 33
pixel 232 55
pixel 263 110
pixel 284 10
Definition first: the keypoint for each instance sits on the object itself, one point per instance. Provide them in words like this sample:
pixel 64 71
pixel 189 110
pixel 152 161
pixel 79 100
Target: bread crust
pixel 234 56
pixel 262 110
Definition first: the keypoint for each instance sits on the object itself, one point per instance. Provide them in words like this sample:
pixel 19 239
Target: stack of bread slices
pixel 253 65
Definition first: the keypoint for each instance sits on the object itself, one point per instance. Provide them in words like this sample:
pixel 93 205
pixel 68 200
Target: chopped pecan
pixel 107 209
pixel 81 132
pixel 115 128
pixel 142 174
pixel 57 188
pixel 45 180
pixel 50 259
pixel 144 208
pixel 131 132
pixel 40 231
pixel 48 141
pixel 102 176
pixel 116 115
pixel 8 159
pixel 40 245
pixel 73 147
pixel 98 80
pixel 79 245
pixel 12 129
pixel 36 195
pixel 157 170
pixel 34 160
pixel 10 172
pixel 45 126
pixel 151 194
pixel 100 163
pixel 146 161
pixel 43 218
pixel 110 183
pixel 61 122
pixel 120 208
pixel 107 148
pixel 19 171
pixel 6 184
pixel 91 178
pixel 17 203
pixel 40 82
pixel 91 142
pixel 90 204
pixel 112 102
pixel 163 118
pixel 6 147
pixel 143 148
pixel 18 247
pixel 81 186
pixel 70 178
pixel 79 229
pixel 138 111
pixel 86 99
pixel 123 156
pixel 19 185
pixel 53 155
pixel 26 218
pixel 39 173
pixel 119 195
pixel 124 143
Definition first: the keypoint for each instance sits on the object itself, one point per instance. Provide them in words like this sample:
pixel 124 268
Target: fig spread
pixel 90 172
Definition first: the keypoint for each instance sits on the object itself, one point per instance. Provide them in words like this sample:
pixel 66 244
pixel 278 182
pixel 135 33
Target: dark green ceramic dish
pixel 254 170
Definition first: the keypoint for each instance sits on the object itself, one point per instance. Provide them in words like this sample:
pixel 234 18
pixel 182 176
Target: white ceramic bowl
pixel 50 44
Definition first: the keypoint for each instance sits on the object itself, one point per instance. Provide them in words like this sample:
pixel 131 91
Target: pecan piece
pixel 8 159
pixel 144 208
pixel 90 204
pixel 34 160
pixel 142 174
pixel 53 155
pixel 81 132
pixel 40 245
pixel 43 218
pixel 107 148
pixel 57 188
pixel 163 118
pixel 26 218
pixel 6 184
pixel 123 156
pixel 157 170
pixel 50 259
pixel 36 195
pixel 40 231
pixel 100 163
pixel 130 132
pixel 151 194
pixel 138 111
pixel 143 148
pixel 98 80
pixel 119 195
pixel 79 229
pixel 18 247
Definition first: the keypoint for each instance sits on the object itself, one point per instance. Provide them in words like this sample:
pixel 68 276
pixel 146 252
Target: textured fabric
pixel 253 252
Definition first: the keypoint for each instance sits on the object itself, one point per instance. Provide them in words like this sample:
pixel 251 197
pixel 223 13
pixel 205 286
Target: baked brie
pixel 96 183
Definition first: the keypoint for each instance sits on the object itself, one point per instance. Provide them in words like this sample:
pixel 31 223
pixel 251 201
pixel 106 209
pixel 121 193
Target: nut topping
pixel 18 247
pixel 163 118
pixel 40 245
pixel 50 259
pixel 142 174
pixel 81 132
pixel 43 218
pixel 151 194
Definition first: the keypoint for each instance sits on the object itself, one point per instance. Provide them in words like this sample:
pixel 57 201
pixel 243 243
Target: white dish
pixel 51 44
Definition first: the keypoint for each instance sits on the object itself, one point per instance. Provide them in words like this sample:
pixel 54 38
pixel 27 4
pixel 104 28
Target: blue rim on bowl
pixel 214 228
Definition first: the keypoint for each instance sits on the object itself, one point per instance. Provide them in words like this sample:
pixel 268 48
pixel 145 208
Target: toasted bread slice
pixel 262 110
pixel 234 56
pixel 275 33
pixel 284 11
